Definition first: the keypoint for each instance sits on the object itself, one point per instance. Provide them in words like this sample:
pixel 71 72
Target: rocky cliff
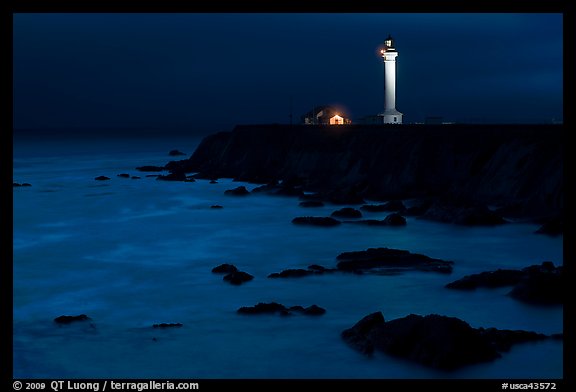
pixel 516 167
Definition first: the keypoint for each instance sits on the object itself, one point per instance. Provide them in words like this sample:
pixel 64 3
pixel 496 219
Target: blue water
pixel 132 253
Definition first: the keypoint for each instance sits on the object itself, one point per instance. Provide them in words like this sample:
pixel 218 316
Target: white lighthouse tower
pixel 389 54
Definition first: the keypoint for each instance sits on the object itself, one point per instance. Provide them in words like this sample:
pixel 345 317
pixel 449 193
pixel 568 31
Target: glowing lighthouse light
pixel 389 54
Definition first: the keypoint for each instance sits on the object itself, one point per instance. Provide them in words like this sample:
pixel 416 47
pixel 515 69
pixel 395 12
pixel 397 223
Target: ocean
pixel 130 253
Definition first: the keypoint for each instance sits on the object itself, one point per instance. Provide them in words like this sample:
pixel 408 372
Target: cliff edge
pixel 518 168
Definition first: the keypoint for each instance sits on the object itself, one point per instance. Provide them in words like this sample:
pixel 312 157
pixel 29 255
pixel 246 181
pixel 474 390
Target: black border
pixel 358 6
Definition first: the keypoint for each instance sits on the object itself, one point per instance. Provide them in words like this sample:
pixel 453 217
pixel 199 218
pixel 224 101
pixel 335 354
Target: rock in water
pixel 239 191
pixel 274 307
pixel 224 269
pixel 378 258
pixel 150 168
pixel 498 278
pixel 392 205
pixel 238 277
pixel 311 203
pixel 71 319
pixel 347 212
pixel 436 341
pixel 316 221
pixel 168 325
pixel 395 219
pixel 102 178
pixel 537 284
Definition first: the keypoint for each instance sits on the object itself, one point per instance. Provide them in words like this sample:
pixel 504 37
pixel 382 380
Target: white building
pixel 389 54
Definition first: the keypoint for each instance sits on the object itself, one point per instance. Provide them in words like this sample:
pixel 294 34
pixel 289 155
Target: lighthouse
pixel 389 54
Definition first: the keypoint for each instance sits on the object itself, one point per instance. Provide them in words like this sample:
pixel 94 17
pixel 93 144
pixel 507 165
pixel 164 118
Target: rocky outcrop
pixel 311 203
pixel 436 341
pixel 474 215
pixel 392 205
pixel 313 269
pixel 347 212
pixel 490 279
pixel 274 307
pixel 168 325
pixel 71 319
pixel 393 219
pixel 175 153
pixel 123 175
pixel 500 165
pixel 537 284
pixel 541 285
pixel 172 177
pixel 16 184
pixel 239 191
pixel 375 259
pixel 552 227
pixel 224 269
pixel 238 277
pixel 150 168
pixel 102 178
pixel 232 274
pixel 324 221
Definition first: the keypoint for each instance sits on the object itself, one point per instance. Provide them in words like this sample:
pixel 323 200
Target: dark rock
pixel 26 184
pixel 318 268
pixel 15 184
pixel 475 215
pixel 537 284
pixel 437 341
pixel 359 336
pixel 395 219
pixel 383 258
pixel 124 175
pixel 498 278
pixel 102 178
pixel 189 179
pixel 291 273
pixel 224 269
pixel 504 339
pixel 285 188
pixel 392 205
pixel 238 277
pixel 178 176
pixel 347 212
pixel 71 319
pixel 313 310
pixel 552 227
pixel 369 222
pixel 487 163
pixel 150 168
pixel 316 221
pixel 168 325
pixel 213 182
pixel 541 285
pixel 175 153
pixel 418 208
pixel 263 308
pixel 239 191
pixel 344 196
pixel 311 203
pixel 135 177
pixel 216 207
pixel 274 307
pixel 152 175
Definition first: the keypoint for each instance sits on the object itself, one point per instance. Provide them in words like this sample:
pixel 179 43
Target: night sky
pixel 208 72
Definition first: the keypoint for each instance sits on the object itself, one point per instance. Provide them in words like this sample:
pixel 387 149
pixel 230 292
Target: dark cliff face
pixel 519 167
